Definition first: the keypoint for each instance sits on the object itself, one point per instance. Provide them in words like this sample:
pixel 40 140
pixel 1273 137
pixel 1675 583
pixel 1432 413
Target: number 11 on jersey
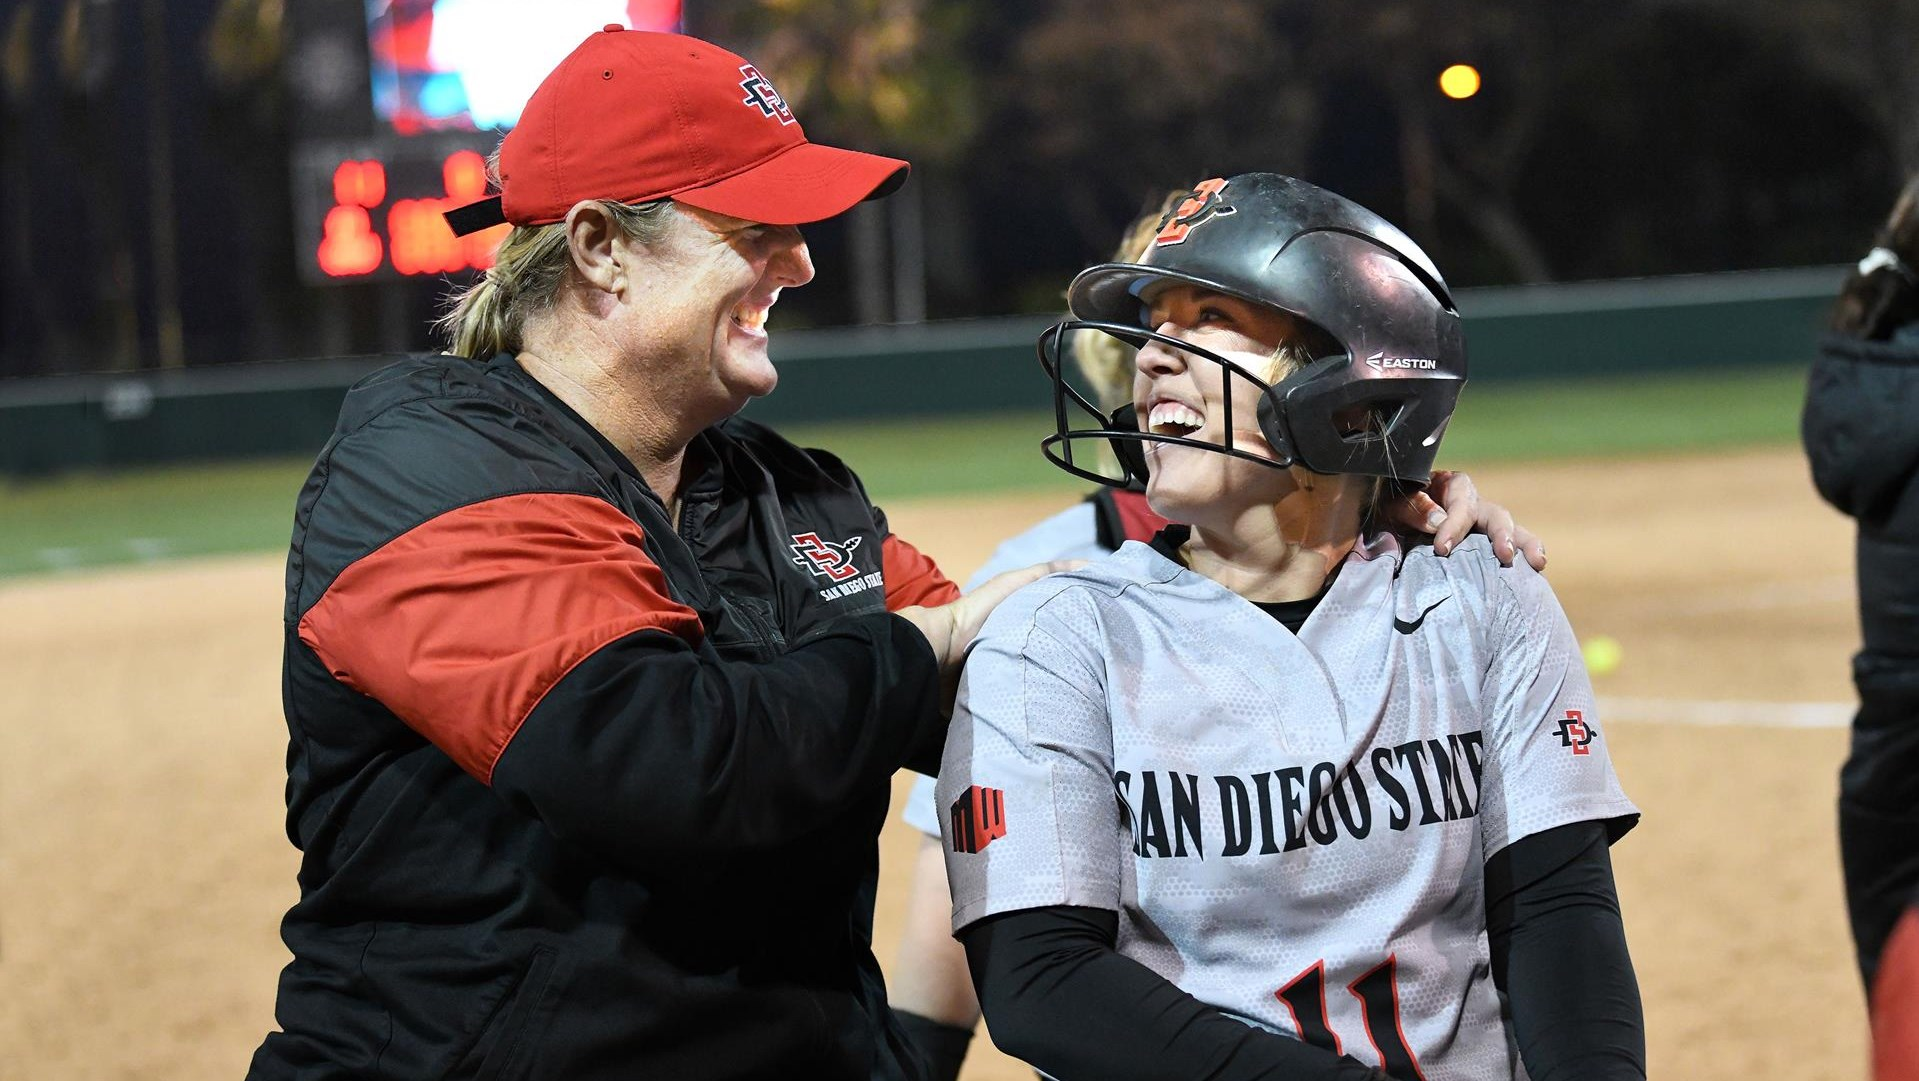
pixel 1378 994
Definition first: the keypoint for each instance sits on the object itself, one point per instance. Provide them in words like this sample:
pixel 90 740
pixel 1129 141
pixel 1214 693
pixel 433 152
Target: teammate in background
pixel 1277 795
pixel 1863 442
pixel 931 990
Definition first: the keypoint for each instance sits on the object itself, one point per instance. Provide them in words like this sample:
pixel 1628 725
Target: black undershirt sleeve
pixel 1057 995
pixel 1559 954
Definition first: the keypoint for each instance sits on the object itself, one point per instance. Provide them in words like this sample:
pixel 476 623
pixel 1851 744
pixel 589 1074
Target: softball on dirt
pixel 1603 654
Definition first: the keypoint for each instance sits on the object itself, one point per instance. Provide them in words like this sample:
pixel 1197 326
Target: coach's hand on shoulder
pixel 1450 508
pixel 950 628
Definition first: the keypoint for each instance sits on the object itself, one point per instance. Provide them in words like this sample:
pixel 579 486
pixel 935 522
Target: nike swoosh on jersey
pixel 1404 627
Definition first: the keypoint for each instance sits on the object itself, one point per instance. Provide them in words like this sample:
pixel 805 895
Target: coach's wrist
pixel 936 626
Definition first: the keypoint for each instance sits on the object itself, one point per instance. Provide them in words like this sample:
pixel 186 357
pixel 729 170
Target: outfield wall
pixel 1729 321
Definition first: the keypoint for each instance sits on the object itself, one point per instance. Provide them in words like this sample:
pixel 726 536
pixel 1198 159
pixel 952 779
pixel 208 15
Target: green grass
pixel 1599 418
pixel 86 520
pixel 944 455
pixel 89 519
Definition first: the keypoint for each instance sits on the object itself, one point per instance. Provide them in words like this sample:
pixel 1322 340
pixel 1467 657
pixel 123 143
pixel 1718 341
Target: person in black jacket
pixel 1862 440
pixel 592 688
pixel 593 693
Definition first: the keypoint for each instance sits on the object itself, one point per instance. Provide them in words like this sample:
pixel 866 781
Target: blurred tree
pixel 1864 46
pixel 88 62
pixel 1464 156
pixel 243 48
pixel 889 76
pixel 25 313
pixel 892 73
pixel 16 56
pixel 1117 100
pixel 1671 127
pixel 1143 93
pixel 1684 139
pixel 1638 136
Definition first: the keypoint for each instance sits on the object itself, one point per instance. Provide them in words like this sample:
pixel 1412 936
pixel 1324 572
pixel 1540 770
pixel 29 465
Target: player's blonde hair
pixel 1105 361
pixel 1306 345
pixel 490 315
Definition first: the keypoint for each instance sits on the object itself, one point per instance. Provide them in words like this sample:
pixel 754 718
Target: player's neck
pixel 1280 552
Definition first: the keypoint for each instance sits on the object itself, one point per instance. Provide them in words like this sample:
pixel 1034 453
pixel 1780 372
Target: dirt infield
pixel 143 866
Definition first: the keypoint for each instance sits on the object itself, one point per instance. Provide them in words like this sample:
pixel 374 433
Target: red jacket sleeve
pixel 463 623
pixel 533 640
pixel 912 578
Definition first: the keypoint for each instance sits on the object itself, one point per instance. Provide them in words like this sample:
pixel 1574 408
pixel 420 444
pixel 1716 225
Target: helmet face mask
pixel 1120 428
pixel 1379 394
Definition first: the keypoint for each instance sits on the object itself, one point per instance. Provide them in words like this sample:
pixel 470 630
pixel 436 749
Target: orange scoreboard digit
pixel 377 212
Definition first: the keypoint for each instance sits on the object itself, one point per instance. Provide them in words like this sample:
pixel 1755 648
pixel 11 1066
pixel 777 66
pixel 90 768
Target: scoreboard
pixel 396 105
pixel 372 208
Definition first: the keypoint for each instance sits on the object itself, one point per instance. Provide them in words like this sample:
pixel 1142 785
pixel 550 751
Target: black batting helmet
pixel 1394 347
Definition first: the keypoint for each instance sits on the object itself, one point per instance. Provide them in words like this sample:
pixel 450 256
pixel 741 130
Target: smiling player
pixel 1275 795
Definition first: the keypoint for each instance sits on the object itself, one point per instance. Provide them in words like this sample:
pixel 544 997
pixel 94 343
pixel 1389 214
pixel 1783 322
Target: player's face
pixel 702 308
pixel 1176 393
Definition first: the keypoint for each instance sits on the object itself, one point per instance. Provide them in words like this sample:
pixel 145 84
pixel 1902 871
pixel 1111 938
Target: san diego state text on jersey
pixel 1282 809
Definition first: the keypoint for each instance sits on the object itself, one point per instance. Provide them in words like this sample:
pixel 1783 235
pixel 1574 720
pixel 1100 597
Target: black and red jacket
pixel 582 795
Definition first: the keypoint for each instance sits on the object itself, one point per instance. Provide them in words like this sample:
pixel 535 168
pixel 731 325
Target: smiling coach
pixel 590 737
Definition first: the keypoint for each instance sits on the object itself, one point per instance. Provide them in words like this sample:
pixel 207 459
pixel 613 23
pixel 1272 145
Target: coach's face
pixel 1176 393
pixel 699 313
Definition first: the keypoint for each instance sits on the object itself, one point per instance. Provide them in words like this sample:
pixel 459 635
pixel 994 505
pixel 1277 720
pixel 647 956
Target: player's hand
pixel 950 628
pixel 1450 508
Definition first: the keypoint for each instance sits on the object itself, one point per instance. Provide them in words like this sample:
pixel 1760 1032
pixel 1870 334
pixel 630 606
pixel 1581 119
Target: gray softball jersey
pixel 1292 828
pixel 1073 533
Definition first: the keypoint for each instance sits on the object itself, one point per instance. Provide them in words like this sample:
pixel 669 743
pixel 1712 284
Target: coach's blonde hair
pixel 490 315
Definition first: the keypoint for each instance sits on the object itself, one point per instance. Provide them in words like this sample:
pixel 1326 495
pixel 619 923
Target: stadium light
pixel 1459 82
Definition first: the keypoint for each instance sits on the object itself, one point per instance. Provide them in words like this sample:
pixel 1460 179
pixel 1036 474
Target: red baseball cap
pixel 634 116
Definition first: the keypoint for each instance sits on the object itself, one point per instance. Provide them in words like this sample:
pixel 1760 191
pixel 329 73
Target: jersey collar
pixel 1381 545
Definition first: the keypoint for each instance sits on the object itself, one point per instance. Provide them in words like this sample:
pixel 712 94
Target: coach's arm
pixel 532 639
